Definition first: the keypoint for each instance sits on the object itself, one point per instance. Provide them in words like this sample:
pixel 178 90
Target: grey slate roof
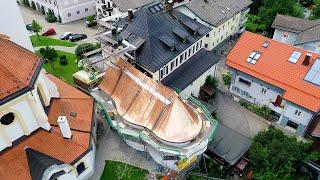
pixel 211 11
pixel 190 70
pixel 39 163
pixel 150 26
pixel 124 5
pixel 307 30
pixel 229 144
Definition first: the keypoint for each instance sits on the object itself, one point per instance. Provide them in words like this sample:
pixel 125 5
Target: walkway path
pixel 60 48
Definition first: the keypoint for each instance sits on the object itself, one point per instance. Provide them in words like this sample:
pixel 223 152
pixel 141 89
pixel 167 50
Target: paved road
pixel 74 27
pixel 111 147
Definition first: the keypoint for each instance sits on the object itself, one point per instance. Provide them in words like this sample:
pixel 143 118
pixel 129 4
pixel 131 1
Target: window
pixel 69 14
pixel 297 112
pixel 86 9
pixel 263 90
pixel 172 65
pixel 246 82
pixel 109 13
pixel 205 45
pixel 193 49
pixel 292 124
pixel 50 1
pixel 161 73
pixel 55 3
pixel 253 57
pixel 103 1
pixel 197 46
pixel 108 4
pixel 7 119
pixel 167 70
pixel 81 168
pixel 295 56
pixel 181 58
pixel 185 55
pixel 201 44
pixel 189 52
pixel 177 62
pixel 213 44
pixel 78 12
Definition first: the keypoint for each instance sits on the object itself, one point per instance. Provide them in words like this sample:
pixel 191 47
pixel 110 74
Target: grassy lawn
pixel 63 72
pixel 116 170
pixel 47 41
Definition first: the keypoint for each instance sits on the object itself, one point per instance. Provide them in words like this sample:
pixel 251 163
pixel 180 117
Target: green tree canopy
pixel 276 156
pixel 85 47
pixel 49 54
pixel 36 27
pixel 268 11
pixel 315 14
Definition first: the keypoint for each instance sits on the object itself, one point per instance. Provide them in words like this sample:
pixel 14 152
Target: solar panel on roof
pixel 156 8
pixel 313 74
pixel 181 33
pixel 168 41
pixel 152 10
pixel 191 25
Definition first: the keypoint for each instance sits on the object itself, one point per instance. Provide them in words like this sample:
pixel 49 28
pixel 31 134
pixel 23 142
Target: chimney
pixel 307 59
pixel 169 5
pixel 130 14
pixel 64 127
pixel 114 31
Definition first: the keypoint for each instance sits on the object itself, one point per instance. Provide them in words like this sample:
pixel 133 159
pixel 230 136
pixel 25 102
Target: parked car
pixel 29 27
pixel 49 32
pixel 77 37
pixel 65 36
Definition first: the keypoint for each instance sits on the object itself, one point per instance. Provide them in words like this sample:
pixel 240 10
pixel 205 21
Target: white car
pixel 65 36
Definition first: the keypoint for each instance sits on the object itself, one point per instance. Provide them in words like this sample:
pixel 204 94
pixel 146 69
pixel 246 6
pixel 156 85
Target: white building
pixel 17 30
pixel 226 18
pixel 66 10
pixel 46 126
pixel 164 45
pixel 298 32
pixel 282 77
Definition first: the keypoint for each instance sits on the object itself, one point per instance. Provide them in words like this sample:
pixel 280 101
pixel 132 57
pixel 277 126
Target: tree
pixel 254 7
pixel 274 155
pixel 51 17
pixel 49 54
pixel 212 81
pixel 268 11
pixel 315 14
pixel 36 27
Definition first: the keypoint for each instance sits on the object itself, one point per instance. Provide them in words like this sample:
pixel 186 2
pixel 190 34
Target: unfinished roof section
pixel 216 12
pixel 19 69
pixel 275 68
pixel 307 30
pixel 165 35
pixel 144 102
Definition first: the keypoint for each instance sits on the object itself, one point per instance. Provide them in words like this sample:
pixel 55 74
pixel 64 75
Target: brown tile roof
pixel 274 68
pixel 17 67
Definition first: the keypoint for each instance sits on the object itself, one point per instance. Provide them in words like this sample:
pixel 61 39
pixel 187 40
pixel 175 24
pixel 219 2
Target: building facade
pixel 66 10
pixel 16 31
pixel 42 121
pixel 269 73
pixel 298 32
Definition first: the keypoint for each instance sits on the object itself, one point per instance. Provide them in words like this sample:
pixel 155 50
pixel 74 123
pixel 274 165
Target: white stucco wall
pixel 279 36
pixel 304 118
pixel 12 25
pixel 312 46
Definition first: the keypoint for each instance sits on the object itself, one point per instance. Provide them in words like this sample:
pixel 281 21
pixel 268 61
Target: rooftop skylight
pixel 295 56
pixel 253 57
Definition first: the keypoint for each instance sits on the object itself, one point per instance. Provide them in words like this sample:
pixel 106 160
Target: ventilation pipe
pixel 306 60
pixel 130 14
pixel 64 127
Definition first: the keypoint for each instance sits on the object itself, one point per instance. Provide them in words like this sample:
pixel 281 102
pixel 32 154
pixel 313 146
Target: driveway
pixel 78 26
pixel 112 147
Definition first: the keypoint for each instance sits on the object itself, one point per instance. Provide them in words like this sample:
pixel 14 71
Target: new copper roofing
pixel 144 102
pixel 274 68
pixel 19 65
pixel 18 70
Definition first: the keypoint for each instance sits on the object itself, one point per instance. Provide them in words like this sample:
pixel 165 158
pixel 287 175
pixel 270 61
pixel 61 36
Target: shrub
pixel 263 111
pixel 84 48
pixel 51 17
pixel 63 60
pixel 226 79
pixel 212 81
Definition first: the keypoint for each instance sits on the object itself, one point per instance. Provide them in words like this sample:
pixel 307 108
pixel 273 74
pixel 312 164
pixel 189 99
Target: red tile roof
pixel 274 68
pixel 17 66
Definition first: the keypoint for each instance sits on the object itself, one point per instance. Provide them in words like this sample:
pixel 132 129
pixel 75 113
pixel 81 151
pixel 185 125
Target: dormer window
pixel 7 119
pixel 253 57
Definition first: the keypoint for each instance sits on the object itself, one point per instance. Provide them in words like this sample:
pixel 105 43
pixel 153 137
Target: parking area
pixel 75 27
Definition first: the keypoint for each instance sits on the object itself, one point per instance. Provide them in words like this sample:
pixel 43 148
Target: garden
pixel 47 41
pixel 114 170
